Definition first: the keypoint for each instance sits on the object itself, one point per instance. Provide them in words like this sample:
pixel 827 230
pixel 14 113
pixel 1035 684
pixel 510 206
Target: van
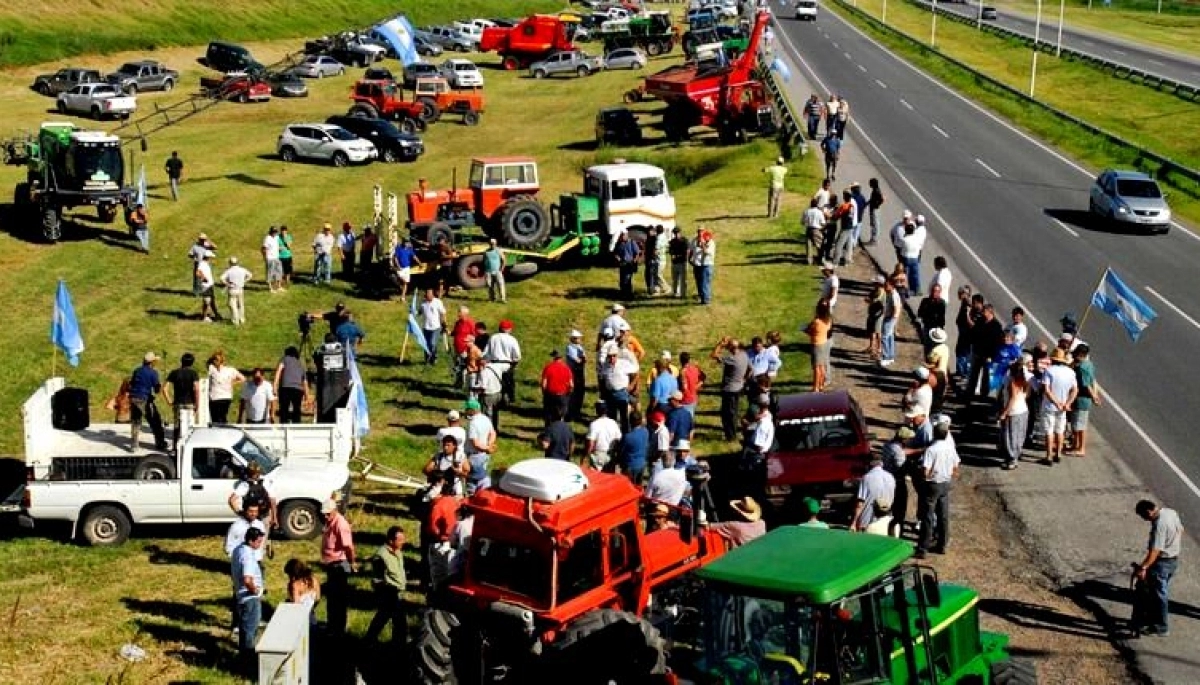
pixel 806 10
pixel 227 57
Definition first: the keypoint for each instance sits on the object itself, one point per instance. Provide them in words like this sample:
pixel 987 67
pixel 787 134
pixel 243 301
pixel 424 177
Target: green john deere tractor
pixel 807 606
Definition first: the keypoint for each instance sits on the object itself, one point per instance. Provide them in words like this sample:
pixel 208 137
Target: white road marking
pixel 979 108
pixel 939 130
pixel 862 68
pixel 1112 403
pixel 1175 309
pixel 847 55
pixel 1120 52
pixel 985 166
pixel 905 103
pixel 1065 227
pixel 1154 61
pixel 881 84
pixel 835 44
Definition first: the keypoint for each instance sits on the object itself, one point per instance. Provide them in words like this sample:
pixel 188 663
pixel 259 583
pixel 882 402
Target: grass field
pixel 70 609
pixel 1177 29
pixel 1155 124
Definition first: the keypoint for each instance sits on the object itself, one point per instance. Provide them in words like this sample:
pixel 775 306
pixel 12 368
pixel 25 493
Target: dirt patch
pixel 986 551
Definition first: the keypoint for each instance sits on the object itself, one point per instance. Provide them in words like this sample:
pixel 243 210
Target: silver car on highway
pixel 1130 199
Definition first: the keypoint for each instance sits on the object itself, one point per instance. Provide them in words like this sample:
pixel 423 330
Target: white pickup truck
pixel 93 479
pixel 98 100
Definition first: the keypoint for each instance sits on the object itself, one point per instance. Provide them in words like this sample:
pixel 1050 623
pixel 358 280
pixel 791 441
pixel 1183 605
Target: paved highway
pixel 1173 66
pixel 1011 212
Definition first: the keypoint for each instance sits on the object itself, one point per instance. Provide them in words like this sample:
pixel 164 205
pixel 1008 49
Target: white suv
pixel 806 10
pixel 462 73
pixel 324 141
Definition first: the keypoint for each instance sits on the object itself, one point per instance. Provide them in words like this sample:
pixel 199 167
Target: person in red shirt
pixel 439 527
pixel 691 379
pixel 464 327
pixel 557 383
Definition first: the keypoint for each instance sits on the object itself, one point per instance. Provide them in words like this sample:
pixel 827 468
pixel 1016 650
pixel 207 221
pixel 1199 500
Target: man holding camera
pixel 735 368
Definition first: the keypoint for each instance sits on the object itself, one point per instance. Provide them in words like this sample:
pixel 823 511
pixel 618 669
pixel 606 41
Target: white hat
pixel 908 214
pixel 233 261
pixel 574 334
pixel 677 396
pixel 666 354
pixel 922 373
pixel 827 266
pixel 938 335
pixel 618 307
pixel 682 445
pixel 328 507
pixel 914 411
pixel 879 279
pixel 921 219
pixel 453 415
pixel 779 160
pixel 942 419
pixel 608 348
pixel 150 357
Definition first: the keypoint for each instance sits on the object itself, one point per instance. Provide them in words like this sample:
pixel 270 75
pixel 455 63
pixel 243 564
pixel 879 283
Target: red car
pixel 236 86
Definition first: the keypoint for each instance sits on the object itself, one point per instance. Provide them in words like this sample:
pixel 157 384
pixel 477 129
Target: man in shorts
pixel 1088 396
pixel 1059 390
pixel 404 257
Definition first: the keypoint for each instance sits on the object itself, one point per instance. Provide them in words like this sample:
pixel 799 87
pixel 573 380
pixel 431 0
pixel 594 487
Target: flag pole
pixel 404 346
pixel 1079 328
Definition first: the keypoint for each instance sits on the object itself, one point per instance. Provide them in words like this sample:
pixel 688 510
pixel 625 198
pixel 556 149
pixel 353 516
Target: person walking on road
pixel 874 202
pixel 831 115
pixel 174 169
pixel 831 145
pixel 940 465
pixel 337 556
pixel 813 109
pixel 1154 573
pixel 1059 390
pixel 814 228
pixel 493 271
pixel 778 173
pixel 1014 416
pixel 1087 397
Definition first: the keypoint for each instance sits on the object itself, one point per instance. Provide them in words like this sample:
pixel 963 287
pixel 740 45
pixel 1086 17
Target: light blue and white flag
pixel 414 327
pixel 779 67
pixel 141 189
pixel 1118 300
pixel 357 404
pixel 64 327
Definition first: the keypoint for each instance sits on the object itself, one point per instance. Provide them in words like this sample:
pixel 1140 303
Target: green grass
pixel 52 31
pixel 1155 124
pixel 1177 29
pixel 68 610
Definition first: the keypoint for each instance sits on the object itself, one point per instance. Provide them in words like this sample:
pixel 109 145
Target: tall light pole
pixel 884 18
pixel 933 27
pixel 979 16
pixel 1037 38
pixel 1062 8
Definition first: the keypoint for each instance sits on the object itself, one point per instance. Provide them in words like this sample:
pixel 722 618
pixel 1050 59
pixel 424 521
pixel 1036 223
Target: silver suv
pixel 1130 199
pixel 324 142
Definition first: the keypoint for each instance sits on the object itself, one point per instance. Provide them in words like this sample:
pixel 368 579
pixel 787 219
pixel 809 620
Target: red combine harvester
pixel 566 580
pixel 532 39
pixel 711 91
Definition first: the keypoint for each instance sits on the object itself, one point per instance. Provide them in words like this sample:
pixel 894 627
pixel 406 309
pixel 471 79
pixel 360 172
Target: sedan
pixel 417 70
pixel 1130 199
pixel 625 58
pixel 987 13
pixel 287 86
pixel 319 66
pixel 426 47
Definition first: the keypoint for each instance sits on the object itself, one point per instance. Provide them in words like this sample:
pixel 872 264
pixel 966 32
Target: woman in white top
pixel 1014 418
pixel 303 587
pixel 221 379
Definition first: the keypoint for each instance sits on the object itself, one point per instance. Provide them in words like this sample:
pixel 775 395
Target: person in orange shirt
pixel 439 527
pixel 818 334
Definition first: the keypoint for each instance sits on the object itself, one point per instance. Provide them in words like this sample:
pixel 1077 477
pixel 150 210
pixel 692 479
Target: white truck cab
pixel 633 197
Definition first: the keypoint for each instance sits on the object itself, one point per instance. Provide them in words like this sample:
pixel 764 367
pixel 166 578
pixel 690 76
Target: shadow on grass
pixel 122 242
pixel 201 649
pixel 182 316
pixel 171 291
pixel 172 611
pixel 158 555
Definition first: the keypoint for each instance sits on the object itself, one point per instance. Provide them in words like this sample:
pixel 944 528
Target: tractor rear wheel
pixel 1014 672
pixel 469 271
pixel 52 224
pixel 587 647
pixel 439 231
pixel 430 112
pixel 408 125
pixel 364 110
pixel 524 223
pixel 446 651
pixel 653 49
pixel 511 64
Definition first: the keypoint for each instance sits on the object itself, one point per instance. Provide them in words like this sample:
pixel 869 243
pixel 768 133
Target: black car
pixel 617 126
pixel 418 70
pixel 393 145
pixel 378 74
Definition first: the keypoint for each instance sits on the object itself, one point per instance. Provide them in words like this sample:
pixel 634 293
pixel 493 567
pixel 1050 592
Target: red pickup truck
pixel 822 449
pixel 238 86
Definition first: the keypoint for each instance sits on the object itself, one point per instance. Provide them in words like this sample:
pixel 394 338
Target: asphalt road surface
pixel 1012 213
pixel 1169 65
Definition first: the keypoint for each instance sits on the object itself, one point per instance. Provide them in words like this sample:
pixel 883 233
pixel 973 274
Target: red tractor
pixel 501 199
pixel 568 577
pixel 385 100
pixel 716 92
pixel 533 38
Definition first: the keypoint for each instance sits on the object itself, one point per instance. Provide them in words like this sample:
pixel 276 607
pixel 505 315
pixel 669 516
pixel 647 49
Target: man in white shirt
pixel 761 431
pixel 824 195
pixel 433 325
pixel 616 375
pixel 669 485
pixel 323 255
pixel 814 228
pixel 602 436
pixel 830 284
pixel 206 283
pixel 1059 388
pixel 940 464
pixel 941 276
pixel 249 518
pixel 1020 332
pixel 258 400
pixel 898 230
pixel 504 351
pixel 612 323
pixel 489 388
pixel 270 253
pixel 911 244
pixel 234 279
pixel 453 427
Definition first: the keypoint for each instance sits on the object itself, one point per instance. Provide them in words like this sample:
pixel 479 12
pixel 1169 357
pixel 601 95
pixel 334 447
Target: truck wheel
pixel 168 86
pixel 583 71
pixel 243 98
pixel 471 118
pixel 363 110
pixel 299 520
pixel 446 651
pixel 511 63
pixel 287 154
pixel 653 49
pixel 52 224
pixel 430 111
pixel 155 467
pixel 1013 672
pixel 95 113
pixel 408 125
pixel 340 159
pixel 633 95
pixel 469 271
pixel 588 645
pixel 524 223
pixel 106 526
pixel 539 73
pixel 438 231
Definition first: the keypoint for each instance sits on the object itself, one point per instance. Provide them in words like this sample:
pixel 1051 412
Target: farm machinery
pixel 651 31
pixel 501 201
pixel 532 39
pixel 431 98
pixel 715 91
pixel 68 167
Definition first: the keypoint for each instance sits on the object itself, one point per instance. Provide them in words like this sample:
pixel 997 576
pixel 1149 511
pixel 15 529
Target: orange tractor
pixel 431 98
pixel 566 580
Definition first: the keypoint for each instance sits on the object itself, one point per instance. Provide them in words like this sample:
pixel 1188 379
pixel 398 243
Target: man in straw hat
pixel 749 526
pixel 1059 389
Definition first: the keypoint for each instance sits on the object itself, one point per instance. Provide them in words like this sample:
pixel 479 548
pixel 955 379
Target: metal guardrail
pixel 1180 177
pixel 1185 91
pixel 791 134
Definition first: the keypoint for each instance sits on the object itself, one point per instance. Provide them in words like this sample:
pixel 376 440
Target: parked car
pixel 462 73
pixel 417 70
pixel 806 10
pixel 626 58
pixel 450 38
pixel 287 85
pixel 134 77
pixel 1130 199
pixel 228 57
pixel 472 29
pixel 97 100
pixel 617 126
pixel 324 142
pixel 426 47
pixel 319 66
pixel 393 144
pixel 236 85
pixel 64 80
pixel 378 74
pixel 988 13
pixel 567 62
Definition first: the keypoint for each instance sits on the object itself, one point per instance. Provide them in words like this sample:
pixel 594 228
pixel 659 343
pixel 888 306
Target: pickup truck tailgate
pixel 12 503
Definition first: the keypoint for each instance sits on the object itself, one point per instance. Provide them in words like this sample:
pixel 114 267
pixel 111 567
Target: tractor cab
pixel 773 613
pixel 633 197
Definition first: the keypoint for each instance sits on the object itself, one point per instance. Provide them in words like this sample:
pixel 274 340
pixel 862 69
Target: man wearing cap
pixel 323 246
pixel 680 423
pixel 898 464
pixel 813 221
pixel 338 558
pixel 778 173
pixel 830 284
pixel 660 440
pixel 876 495
pixel 453 427
pixel 196 255
pixel 664 385
pixel 617 375
pixel 576 358
pixel 899 229
pixel 493 271
pixel 940 467
pixel 610 325
pixel 144 386
pixel 557 383
pixel 270 253
pixel 504 351
pixel 811 509
pixel 1059 390
pixel 248 589
pixel 627 253
pixel 404 257
pixel 602 437
pixel 481 442
pixel 920 392
pixel 347 244
pixel 678 251
pixel 912 242
pixel 750 526
pixel 1157 568
pixel 204 275
pixel 702 254
pixel 234 280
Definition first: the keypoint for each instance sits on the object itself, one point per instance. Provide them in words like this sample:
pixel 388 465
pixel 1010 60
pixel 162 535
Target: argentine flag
pixel 1118 300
